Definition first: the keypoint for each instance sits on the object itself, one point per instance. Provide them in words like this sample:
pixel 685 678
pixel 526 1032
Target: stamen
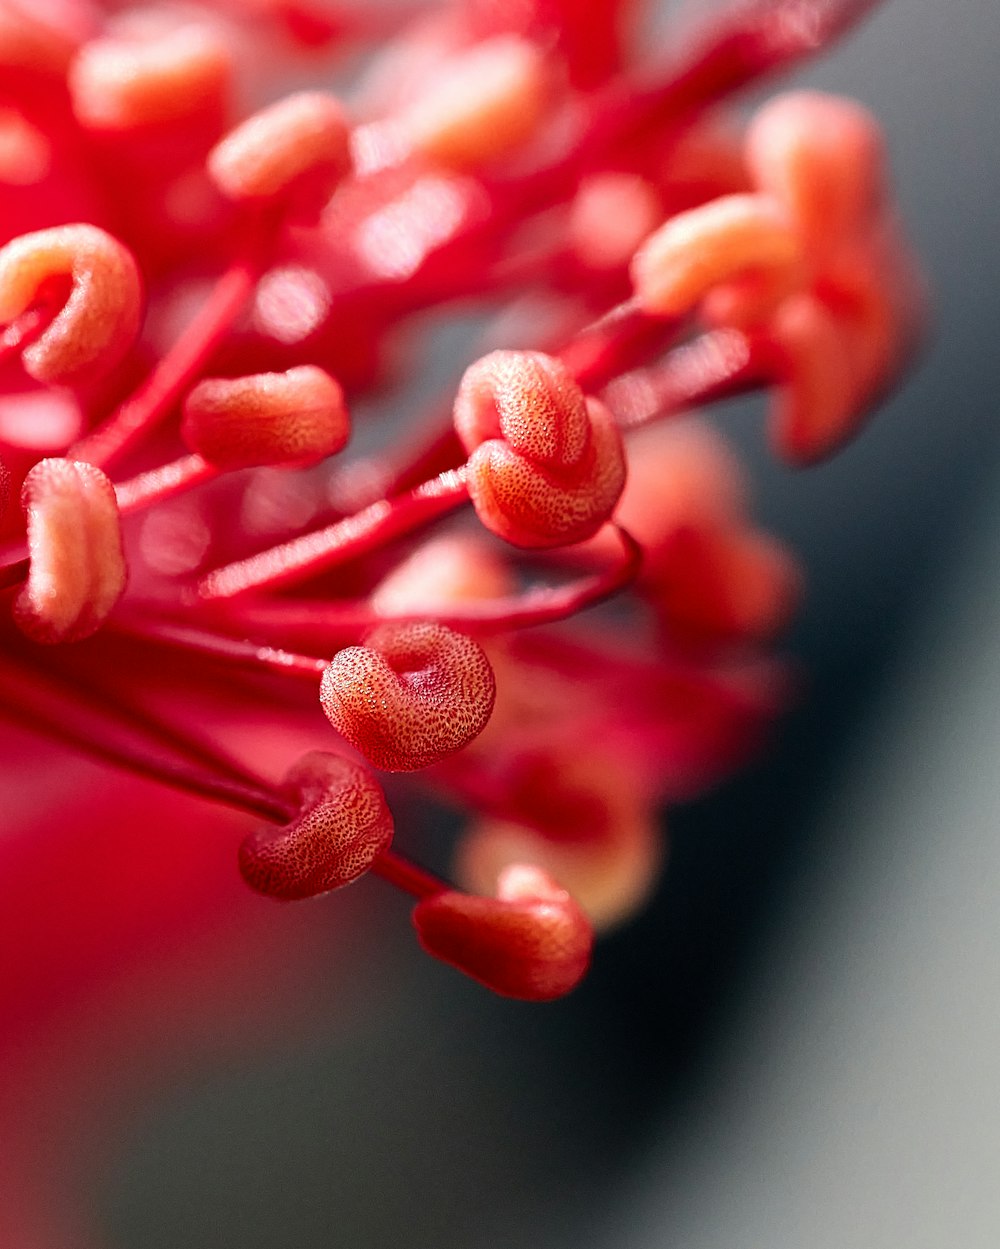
pixel 292 154
pixel 139 415
pixel 546 465
pixel 324 549
pixel 483 104
pixel 121 84
pixel 412 694
pixel 342 823
pixel 531 942
pixel 295 418
pixel 99 320
pixel 729 238
pixel 77 570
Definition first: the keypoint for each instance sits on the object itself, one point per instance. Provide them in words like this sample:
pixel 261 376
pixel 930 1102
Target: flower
pixel 202 289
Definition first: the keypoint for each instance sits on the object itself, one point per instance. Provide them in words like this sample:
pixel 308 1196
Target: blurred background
pixel 798 1043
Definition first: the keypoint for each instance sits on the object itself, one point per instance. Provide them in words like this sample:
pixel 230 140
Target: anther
pixel 483 103
pixel 121 83
pixel 295 418
pixel 410 696
pixel 292 154
pixel 546 466
pixel 342 825
pixel 730 239
pixel 822 158
pixel 77 571
pixel 531 941
pixel 99 319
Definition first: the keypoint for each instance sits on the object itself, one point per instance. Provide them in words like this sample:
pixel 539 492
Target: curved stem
pixel 339 621
pixel 621 338
pixel 323 549
pixel 160 484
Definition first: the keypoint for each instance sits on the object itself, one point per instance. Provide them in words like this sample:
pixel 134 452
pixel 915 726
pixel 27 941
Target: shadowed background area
pixel 795 1044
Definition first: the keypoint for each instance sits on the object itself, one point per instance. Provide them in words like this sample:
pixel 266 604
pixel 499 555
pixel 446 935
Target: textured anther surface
pixel 99 320
pixel 342 826
pixel 293 418
pixel 528 398
pixel 413 694
pixel 531 941
pixel 546 466
pixel 295 152
pixel 77 571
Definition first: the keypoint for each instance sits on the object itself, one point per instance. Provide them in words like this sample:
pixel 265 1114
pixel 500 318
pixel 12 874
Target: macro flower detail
pixel 218 331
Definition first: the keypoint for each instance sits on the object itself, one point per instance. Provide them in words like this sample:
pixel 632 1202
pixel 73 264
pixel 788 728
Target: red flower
pixel 190 305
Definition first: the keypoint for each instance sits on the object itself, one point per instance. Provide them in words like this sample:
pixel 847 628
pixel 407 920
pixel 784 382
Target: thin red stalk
pixel 160 484
pixel 42 702
pixel 323 549
pixel 406 875
pixel 234 651
pixel 143 411
pixel 709 368
pixel 733 50
pixel 183 741
pixel 437 451
pixel 621 338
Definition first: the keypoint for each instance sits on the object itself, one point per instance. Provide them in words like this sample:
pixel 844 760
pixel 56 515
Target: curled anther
pixel 531 941
pixel 411 695
pixel 100 318
pixel 295 418
pixel 546 465
pixel 292 154
pixel 77 568
pixel 342 825
pixel 732 239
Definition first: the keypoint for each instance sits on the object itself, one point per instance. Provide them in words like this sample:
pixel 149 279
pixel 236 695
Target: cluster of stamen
pixel 179 429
